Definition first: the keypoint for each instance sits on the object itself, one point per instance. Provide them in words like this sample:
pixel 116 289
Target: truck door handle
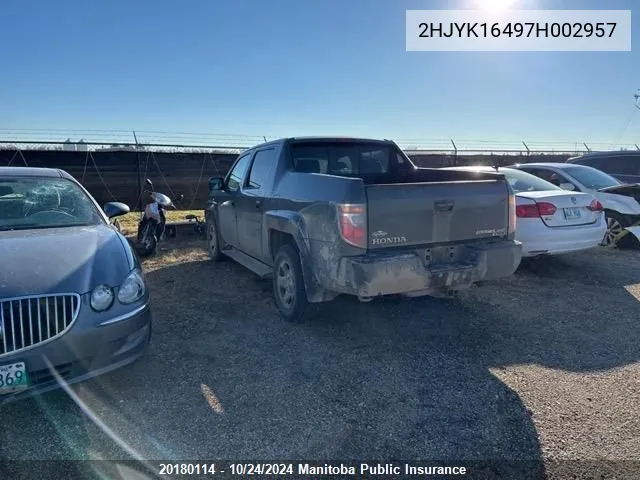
pixel 444 205
pixel 228 203
pixel 258 203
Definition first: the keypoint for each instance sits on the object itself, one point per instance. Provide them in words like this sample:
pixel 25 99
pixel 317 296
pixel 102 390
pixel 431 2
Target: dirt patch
pixel 541 366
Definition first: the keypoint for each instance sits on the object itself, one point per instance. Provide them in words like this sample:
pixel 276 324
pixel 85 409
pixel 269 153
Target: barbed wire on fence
pixel 180 141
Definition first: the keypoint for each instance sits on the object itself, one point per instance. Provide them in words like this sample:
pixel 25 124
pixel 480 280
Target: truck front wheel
pixel 213 240
pixel 288 284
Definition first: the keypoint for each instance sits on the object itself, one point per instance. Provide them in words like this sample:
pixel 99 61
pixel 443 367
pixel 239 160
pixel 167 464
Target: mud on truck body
pixel 328 216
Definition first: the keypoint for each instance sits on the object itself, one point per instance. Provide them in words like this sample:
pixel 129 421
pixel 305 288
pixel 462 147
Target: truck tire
pixel 213 240
pixel 288 285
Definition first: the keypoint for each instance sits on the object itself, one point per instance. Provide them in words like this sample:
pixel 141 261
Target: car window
pixel 237 174
pixel 341 158
pixel 623 165
pixel 33 202
pixel 597 162
pixel 525 182
pixel 262 168
pixel 590 177
pixel 614 164
pixel 542 173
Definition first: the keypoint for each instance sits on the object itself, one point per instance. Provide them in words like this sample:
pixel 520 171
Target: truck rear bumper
pixel 412 272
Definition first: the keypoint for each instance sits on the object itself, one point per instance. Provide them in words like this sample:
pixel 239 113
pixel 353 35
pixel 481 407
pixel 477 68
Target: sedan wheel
pixel 614 228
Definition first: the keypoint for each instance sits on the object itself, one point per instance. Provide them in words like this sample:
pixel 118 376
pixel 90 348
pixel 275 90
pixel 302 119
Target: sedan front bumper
pixel 83 353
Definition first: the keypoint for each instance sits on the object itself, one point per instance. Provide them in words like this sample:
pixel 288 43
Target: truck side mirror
pixel 216 183
pixel 567 186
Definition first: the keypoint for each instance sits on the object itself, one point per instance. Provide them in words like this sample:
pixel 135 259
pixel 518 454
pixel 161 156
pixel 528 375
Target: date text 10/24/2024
pixel 305 469
pixel 518 30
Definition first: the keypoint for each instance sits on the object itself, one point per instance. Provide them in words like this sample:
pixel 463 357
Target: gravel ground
pixel 542 365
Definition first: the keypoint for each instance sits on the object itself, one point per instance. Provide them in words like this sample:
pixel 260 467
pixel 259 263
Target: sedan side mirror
pixel 567 186
pixel 216 183
pixel 115 209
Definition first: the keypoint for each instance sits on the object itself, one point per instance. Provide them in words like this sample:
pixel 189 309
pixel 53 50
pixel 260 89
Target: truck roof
pixel 33 172
pixel 321 139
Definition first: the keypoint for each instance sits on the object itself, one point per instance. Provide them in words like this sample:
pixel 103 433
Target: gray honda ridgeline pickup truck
pixel 330 216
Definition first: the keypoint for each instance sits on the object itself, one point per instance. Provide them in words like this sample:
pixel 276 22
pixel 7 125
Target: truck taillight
pixel 512 213
pixel 535 210
pixel 352 219
pixel 596 206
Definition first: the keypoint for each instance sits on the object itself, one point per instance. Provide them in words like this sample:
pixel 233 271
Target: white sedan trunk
pixel 572 209
pixel 562 226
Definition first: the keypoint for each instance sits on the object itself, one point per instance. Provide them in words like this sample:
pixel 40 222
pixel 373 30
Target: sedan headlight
pixel 101 298
pixel 132 288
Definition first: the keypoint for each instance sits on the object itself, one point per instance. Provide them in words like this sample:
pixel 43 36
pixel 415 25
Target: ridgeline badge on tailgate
pixel 494 232
pixel 381 238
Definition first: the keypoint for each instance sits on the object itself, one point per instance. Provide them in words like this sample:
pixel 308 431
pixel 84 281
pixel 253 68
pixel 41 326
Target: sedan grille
pixel 29 321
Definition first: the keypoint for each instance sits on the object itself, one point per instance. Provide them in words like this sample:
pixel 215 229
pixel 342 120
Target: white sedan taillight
pixel 596 206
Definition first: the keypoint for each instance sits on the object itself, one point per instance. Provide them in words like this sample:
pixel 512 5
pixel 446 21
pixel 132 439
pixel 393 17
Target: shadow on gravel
pixel 573 313
pixel 392 379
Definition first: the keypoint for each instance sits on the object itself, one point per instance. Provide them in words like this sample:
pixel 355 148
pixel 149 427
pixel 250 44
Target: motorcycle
pixel 152 220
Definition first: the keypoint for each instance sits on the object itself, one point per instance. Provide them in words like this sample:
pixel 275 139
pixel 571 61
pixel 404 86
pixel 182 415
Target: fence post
pixel 139 175
pixel 455 153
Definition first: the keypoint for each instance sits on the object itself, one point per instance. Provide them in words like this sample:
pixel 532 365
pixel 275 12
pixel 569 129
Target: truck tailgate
pixel 416 214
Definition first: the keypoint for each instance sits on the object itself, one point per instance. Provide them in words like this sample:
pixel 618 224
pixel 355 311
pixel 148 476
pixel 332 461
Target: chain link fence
pixel 116 172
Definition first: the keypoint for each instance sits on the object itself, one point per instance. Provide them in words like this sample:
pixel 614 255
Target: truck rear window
pixel 342 158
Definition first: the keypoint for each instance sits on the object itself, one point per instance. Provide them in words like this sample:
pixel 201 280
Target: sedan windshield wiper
pixel 23 226
pixel 27 226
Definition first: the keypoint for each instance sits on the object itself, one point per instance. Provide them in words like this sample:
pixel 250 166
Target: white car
pixel 549 220
pixel 622 210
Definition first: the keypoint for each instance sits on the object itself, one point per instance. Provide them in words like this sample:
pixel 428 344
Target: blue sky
pixel 292 67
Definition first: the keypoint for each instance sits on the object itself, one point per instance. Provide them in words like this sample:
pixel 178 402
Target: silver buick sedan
pixel 73 299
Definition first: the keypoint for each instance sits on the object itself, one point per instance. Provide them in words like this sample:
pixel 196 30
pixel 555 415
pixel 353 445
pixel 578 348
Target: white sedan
pixel 622 210
pixel 549 220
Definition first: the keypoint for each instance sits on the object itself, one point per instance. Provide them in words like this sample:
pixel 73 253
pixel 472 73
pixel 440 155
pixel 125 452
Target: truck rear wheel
pixel 288 285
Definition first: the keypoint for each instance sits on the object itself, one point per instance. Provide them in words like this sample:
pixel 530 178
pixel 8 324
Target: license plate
pixel 572 213
pixel 13 377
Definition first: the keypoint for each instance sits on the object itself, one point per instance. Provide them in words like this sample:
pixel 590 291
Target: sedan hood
pixel 61 260
pixel 629 189
pixel 624 204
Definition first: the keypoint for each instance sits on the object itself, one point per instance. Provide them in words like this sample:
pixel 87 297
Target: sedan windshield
pixel 38 202
pixel 525 182
pixel 591 178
